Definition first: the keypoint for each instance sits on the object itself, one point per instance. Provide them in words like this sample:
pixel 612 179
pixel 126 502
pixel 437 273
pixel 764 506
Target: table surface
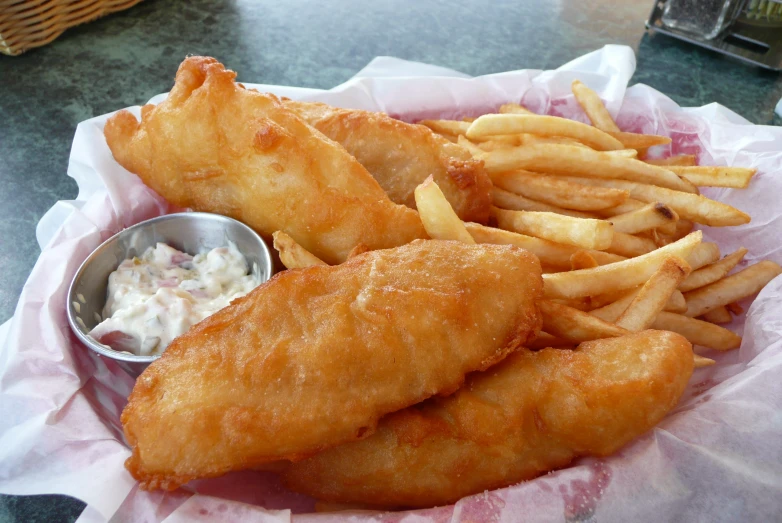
pixel 126 58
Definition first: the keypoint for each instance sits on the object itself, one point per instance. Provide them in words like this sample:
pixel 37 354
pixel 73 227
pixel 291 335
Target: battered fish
pixel 534 412
pixel 315 356
pixel 214 146
pixel 400 156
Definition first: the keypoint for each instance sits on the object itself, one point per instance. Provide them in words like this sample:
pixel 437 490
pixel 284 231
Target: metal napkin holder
pixel 754 44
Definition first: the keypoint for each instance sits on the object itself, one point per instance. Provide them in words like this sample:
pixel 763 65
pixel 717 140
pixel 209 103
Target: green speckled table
pixel 128 57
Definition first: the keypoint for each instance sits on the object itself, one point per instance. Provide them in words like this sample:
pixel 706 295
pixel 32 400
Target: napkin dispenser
pixel 750 30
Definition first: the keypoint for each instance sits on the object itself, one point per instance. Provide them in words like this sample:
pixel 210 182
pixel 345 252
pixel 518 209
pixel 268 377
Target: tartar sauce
pixel 155 298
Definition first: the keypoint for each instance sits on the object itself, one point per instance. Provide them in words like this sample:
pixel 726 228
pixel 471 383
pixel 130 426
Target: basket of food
pixel 27 24
pixel 532 293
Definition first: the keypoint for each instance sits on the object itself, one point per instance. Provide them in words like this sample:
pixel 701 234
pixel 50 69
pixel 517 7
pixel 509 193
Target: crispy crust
pixel 314 357
pixel 214 146
pixel 400 156
pixel 534 412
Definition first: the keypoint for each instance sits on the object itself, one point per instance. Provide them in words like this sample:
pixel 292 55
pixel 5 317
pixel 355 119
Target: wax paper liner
pixel 716 457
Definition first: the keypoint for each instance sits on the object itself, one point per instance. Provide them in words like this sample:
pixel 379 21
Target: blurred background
pixel 126 57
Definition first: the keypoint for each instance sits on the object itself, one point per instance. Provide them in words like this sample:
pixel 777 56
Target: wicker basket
pixel 25 24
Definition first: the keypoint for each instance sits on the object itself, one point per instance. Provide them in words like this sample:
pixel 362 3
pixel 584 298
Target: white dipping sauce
pixel 155 298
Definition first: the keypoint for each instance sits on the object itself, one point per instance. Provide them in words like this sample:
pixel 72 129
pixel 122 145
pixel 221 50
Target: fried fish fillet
pixel 400 156
pixel 534 412
pixel 315 356
pixel 214 146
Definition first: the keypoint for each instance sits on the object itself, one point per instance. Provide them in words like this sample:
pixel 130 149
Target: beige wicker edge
pixel 34 23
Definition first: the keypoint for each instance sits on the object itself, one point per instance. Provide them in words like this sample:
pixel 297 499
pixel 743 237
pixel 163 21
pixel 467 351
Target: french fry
pixel 713 272
pixel 639 141
pixel 629 245
pixel 682 159
pixel 629 205
pixel 703 254
pixel 688 206
pixel 626 153
pixel 718 316
pixel 667 229
pixel 476 151
pixel 734 308
pixel 468 119
pixel 450 137
pixel 500 142
pixel 606 298
pixel 662 239
pixel 589 303
pixel 293 255
pixel 732 288
pixel 512 108
pixel 700 361
pixel 554 191
pixel 533 139
pixel 574 325
pixel 550 253
pixel 587 233
pixel 490 145
pixel 654 294
pixel 581 304
pixel 593 107
pixel 611 311
pixel 698 332
pixel 659 238
pixel 437 215
pixel 676 303
pixel 581 259
pixel 736 177
pixel 660 235
pixel 446 126
pixel 683 228
pixel 569 160
pixel 650 216
pixel 500 124
pixel 616 276
pixel 480 148
pixel 516 202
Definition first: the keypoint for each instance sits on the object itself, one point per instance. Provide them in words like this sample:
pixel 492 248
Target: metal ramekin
pixel 190 232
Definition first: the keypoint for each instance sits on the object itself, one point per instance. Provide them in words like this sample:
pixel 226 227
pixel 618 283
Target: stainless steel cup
pixel 190 232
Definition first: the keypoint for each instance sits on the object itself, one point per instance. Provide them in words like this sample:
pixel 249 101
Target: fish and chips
pixel 468 303
pixel 507 425
pixel 214 146
pixel 400 156
pixel 314 357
